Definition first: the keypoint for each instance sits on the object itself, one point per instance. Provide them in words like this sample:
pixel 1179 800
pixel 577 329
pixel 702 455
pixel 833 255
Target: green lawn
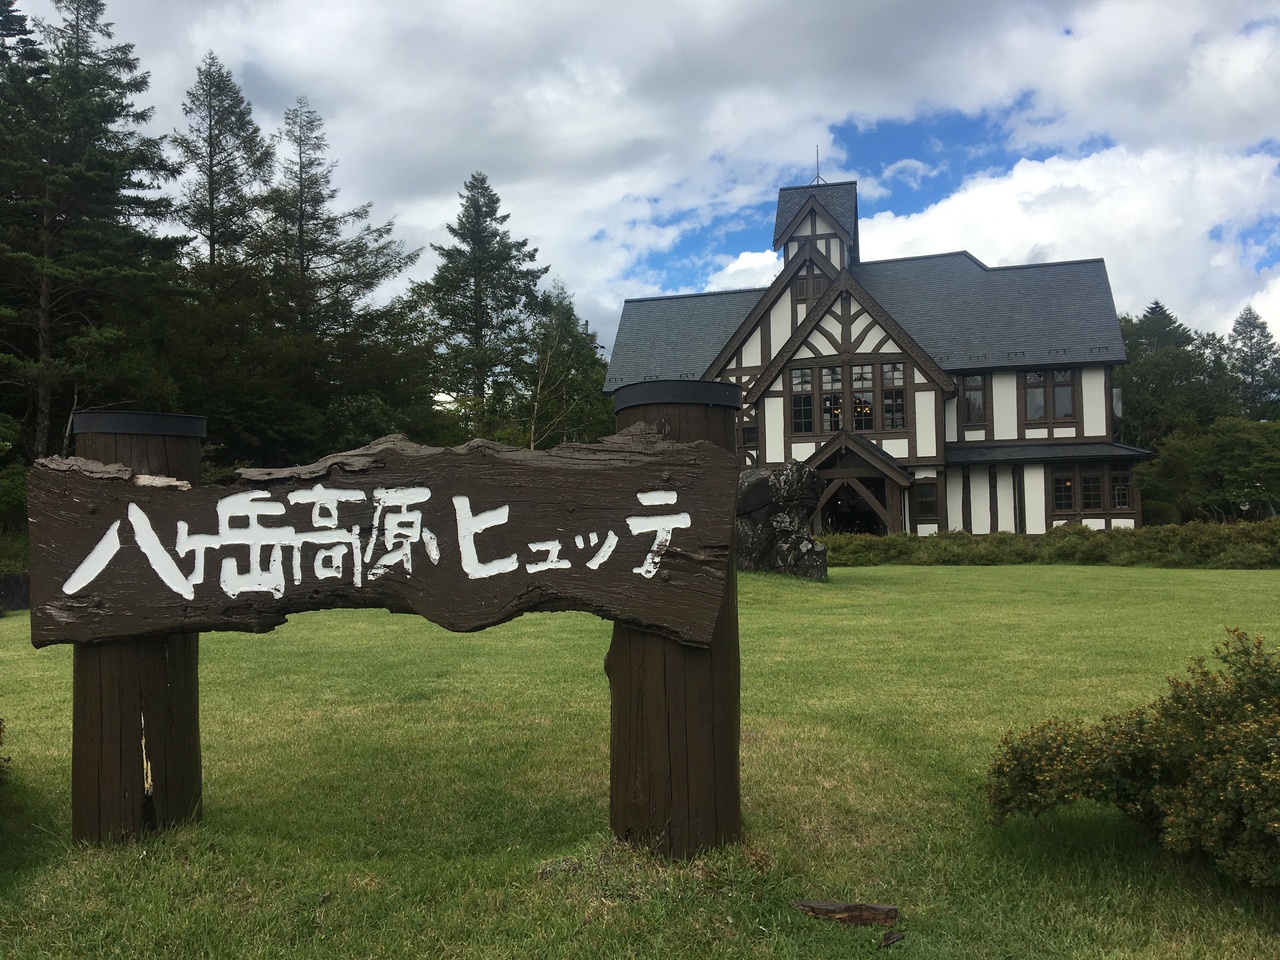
pixel 377 787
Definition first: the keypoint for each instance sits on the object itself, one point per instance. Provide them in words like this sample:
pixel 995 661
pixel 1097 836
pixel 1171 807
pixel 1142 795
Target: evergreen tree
pixel 16 43
pixel 76 230
pixel 1255 361
pixel 483 297
pixel 325 265
pixel 1174 379
pixel 333 346
pixel 228 160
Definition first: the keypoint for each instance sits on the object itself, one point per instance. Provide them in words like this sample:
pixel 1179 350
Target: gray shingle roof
pixel 965 315
pixel 839 199
pixel 674 338
pixel 968 316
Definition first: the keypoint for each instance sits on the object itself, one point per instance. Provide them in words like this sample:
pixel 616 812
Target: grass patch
pixel 376 786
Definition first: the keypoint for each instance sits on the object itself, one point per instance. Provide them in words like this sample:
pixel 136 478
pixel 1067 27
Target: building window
pixel 1091 491
pixel 1120 499
pixel 750 435
pixel 863 387
pixel 973 408
pixel 863 397
pixel 1050 394
pixel 1064 491
pixel 1033 387
pixel 1064 394
pixel 894 397
pixel 926 500
pixel 832 398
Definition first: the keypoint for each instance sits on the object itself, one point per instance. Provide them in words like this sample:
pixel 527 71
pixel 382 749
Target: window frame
pixel 874 390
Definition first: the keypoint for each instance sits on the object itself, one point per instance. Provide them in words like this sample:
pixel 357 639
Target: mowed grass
pixel 378 787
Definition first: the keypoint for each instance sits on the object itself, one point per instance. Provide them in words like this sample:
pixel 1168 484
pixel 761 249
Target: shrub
pixel 1200 765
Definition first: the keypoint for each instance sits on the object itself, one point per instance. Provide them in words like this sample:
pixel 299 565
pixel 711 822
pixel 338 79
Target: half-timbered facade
pixel 930 392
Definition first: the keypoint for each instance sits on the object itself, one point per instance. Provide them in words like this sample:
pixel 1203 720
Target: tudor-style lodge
pixel 930 392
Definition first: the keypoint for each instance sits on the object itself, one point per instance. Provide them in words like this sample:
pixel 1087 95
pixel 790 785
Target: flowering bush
pixel 1200 765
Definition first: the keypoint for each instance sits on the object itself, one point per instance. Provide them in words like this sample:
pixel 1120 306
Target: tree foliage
pixel 276 317
pixel 228 163
pixel 483 299
pixel 77 234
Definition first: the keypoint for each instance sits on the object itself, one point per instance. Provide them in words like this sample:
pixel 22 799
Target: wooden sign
pixel 635 529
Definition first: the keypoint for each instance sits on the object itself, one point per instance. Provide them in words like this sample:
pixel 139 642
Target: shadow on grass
pixel 35 830
pixel 1088 846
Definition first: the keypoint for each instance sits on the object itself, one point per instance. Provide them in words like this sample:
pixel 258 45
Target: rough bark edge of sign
pixel 369 457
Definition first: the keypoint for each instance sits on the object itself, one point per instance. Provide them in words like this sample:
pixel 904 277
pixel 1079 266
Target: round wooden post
pixel 674 775
pixel 135 755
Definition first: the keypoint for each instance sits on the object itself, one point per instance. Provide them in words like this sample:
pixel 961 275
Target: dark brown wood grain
pixel 557 496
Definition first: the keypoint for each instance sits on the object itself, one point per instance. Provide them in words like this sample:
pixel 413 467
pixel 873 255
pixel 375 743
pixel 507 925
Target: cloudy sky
pixel 640 145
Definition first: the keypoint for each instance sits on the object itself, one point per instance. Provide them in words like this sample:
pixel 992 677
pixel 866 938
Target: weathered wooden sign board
pixel 635 529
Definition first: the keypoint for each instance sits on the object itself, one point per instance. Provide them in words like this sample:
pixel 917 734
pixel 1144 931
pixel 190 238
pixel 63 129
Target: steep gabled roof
pixel 674 338
pixel 969 316
pixel 840 200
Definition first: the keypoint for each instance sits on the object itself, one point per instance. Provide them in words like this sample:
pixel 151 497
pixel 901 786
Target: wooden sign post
pixel 129 559
pixel 135 717
pixel 674 773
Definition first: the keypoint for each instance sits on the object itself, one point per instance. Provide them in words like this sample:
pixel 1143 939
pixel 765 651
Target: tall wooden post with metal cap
pixel 674 768
pixel 135 754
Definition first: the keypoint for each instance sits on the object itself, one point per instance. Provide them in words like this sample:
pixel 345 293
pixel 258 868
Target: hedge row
pixel 1231 546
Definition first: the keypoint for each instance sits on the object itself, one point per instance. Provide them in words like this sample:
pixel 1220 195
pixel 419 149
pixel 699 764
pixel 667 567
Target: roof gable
pixel 838 202
pixel 807 254
pixel 846 284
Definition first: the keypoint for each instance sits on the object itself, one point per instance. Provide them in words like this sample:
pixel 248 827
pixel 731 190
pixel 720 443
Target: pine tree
pixel 325 265
pixel 1255 361
pixel 16 43
pixel 483 297
pixel 1174 379
pixel 228 159
pixel 76 231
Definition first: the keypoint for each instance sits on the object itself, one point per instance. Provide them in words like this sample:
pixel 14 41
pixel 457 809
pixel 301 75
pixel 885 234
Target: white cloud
pixel 614 131
pixel 756 269
pixel 1168 222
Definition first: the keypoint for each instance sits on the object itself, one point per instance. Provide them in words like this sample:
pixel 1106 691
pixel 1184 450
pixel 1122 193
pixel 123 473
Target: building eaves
pixel 969 454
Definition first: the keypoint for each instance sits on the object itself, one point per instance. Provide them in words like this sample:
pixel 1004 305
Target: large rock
pixel 775 514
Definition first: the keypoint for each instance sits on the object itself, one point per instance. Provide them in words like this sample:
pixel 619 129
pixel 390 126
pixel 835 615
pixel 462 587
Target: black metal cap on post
pixel 649 392
pixel 131 422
